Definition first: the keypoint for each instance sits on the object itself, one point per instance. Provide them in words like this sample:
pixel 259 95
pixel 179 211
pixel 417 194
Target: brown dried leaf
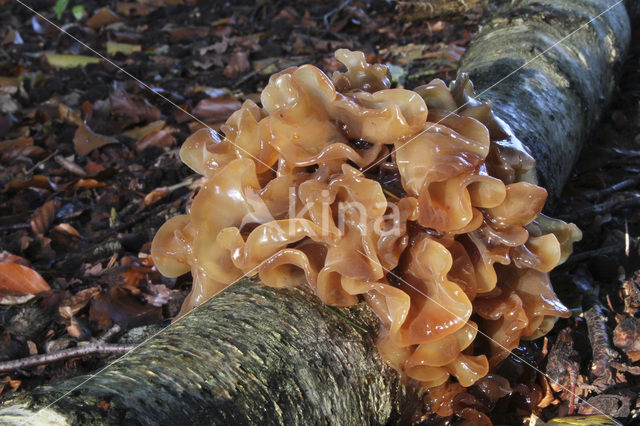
pixel 69 115
pixel 12 144
pixel 626 336
pixel 67 229
pixel 160 139
pixel 103 16
pixel 159 294
pixel 138 133
pixel 216 109
pixel 73 304
pixel 37 181
pixel 155 195
pixel 22 146
pixel 182 32
pixel 11 299
pixel 88 183
pixel 137 8
pixel 70 165
pixel 85 140
pixel 5 256
pixel 70 61
pixel 121 307
pixel 21 279
pixel 238 63
pixel 132 110
pixel 43 217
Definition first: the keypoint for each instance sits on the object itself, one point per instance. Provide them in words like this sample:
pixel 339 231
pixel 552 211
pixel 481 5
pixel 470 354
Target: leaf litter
pixel 89 170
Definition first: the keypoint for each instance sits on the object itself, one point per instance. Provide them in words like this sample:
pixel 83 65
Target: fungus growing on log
pixel 408 200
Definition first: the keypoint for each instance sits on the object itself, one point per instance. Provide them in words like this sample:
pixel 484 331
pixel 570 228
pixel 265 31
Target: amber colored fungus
pixel 339 181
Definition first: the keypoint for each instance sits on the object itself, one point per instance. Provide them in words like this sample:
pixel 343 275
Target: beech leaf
pixel 21 279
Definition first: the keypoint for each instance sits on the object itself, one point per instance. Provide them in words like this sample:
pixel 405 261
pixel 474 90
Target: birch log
pixel 261 355
pixel 549 68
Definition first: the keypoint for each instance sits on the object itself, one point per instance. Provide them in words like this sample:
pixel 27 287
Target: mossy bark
pixel 551 89
pixel 261 355
pixel 251 355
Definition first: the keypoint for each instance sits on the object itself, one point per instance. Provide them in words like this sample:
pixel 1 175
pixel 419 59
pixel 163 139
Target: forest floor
pixel 89 169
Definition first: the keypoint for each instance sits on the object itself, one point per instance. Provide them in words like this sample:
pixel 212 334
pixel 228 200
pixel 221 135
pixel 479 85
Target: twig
pixel 608 207
pixel 14 227
pixel 573 381
pixel 110 334
pixel 90 349
pixel 44 160
pixel 253 73
pixel 332 12
pixel 603 354
pixel 614 188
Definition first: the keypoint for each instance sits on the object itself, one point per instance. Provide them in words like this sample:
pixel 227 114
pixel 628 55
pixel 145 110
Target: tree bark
pixel 250 355
pixel 260 355
pixel 551 92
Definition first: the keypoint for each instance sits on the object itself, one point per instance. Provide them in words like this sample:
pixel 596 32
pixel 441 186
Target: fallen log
pixel 549 70
pixel 254 354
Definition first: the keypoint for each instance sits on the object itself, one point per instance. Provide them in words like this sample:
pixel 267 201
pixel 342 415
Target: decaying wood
pixel 256 354
pixel 250 355
pixel 552 88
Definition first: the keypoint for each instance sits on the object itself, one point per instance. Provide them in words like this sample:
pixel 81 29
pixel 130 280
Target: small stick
pixel 603 354
pixel 110 334
pixel 608 207
pixel 90 349
pixel 614 188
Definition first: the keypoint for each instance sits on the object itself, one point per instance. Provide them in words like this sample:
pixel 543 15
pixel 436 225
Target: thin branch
pixel 90 349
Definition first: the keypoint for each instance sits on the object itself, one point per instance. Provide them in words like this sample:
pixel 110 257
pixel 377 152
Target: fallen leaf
pixel 21 279
pixel 8 383
pixel 36 181
pixel 159 294
pixel 93 168
pixel 132 110
pixel 68 115
pixel 22 146
pixel 67 229
pixel 182 32
pixel 160 139
pixel 88 183
pixel 138 133
pixel 70 165
pixel 8 105
pixel 127 49
pixel 12 299
pixel 136 8
pixel 103 16
pixel 216 109
pixel 43 217
pixel 156 195
pixel 12 37
pixel 238 63
pixel 119 306
pixel 85 140
pixel 5 256
pixel 73 304
pixel 70 61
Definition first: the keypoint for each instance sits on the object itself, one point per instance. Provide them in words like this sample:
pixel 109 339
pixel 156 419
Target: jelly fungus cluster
pixel 413 201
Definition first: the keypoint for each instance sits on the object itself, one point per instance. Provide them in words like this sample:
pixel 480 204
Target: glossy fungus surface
pixel 411 201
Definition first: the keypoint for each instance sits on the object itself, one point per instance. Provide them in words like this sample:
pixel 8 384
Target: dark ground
pixel 83 214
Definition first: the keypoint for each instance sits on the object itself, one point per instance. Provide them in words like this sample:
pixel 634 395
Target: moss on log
pixel 551 89
pixel 248 356
pixel 261 355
